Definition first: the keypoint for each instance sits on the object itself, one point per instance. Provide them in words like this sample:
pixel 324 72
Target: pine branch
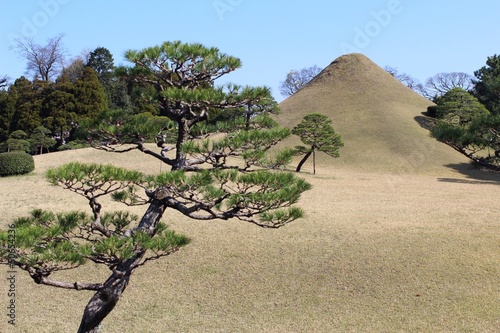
pixel 66 285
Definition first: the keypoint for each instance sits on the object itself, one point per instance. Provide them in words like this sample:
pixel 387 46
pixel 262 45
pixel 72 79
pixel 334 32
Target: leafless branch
pixel 44 62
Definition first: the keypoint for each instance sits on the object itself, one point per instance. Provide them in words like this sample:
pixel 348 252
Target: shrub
pixel 72 145
pixel 16 163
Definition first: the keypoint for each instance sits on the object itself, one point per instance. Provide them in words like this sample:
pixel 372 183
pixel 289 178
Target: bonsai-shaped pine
pixel 228 178
pixel 466 125
pixel 316 132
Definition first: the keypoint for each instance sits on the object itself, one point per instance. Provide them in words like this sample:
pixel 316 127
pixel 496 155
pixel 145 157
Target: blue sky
pixel 271 37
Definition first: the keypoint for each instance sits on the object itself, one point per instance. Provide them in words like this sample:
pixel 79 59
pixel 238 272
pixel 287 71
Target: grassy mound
pixel 377 116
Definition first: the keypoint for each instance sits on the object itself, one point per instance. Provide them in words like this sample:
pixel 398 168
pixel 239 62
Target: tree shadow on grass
pixel 473 173
pixel 425 121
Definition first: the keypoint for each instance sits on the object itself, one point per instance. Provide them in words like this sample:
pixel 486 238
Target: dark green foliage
pixel 470 129
pixel 6 112
pixel 17 141
pixel 177 81
pixel 59 106
pixel 26 104
pixel 90 96
pixel 432 111
pixel 59 110
pixel 72 145
pixel 316 131
pixel 487 85
pixel 41 140
pixel 459 107
pixel 93 180
pixel 16 163
pixel 101 61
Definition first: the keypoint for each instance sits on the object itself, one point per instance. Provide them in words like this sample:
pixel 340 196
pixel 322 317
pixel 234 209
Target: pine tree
pixel 18 141
pixel 41 139
pixel 459 107
pixel 212 179
pixel 315 131
pixel 487 85
pixel 466 125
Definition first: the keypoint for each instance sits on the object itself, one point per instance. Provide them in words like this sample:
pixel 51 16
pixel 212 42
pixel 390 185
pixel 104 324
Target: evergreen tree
pixel 316 131
pixel 101 61
pixel 58 110
pixel 26 104
pixel 231 180
pixel 459 107
pixel 6 114
pixel 180 78
pixel 17 141
pixel 467 126
pixel 41 139
pixel 73 72
pixel 487 85
pixel 90 96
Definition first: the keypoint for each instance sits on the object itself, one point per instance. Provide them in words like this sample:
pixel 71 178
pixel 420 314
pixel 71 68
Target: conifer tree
pixel 211 179
pixel 90 95
pixel 315 131
pixel 26 104
pixel 18 140
pixel 467 126
pixel 41 139
pixel 487 85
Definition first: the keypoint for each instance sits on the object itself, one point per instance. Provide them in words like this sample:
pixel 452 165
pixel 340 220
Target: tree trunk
pixel 182 136
pixel 105 299
pixel 314 160
pixel 304 159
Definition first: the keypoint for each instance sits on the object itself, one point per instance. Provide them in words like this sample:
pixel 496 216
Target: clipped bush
pixel 72 145
pixel 16 163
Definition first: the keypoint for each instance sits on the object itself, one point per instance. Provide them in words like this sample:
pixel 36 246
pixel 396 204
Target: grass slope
pixel 376 115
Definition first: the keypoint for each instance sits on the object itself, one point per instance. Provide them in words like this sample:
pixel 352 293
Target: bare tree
pixel 404 78
pixel 295 80
pixel 44 61
pixel 441 83
pixel 408 81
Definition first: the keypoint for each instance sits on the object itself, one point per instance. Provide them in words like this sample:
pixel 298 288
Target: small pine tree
pixel 41 139
pixel 17 141
pixel 316 132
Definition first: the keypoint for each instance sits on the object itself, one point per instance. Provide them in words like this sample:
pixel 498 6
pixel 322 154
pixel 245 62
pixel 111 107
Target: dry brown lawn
pixel 377 252
pixel 401 235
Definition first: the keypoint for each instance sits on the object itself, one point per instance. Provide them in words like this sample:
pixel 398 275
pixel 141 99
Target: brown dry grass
pixel 401 237
pixel 377 252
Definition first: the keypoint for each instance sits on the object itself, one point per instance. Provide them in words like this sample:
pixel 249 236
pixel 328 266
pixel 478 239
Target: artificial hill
pixel 380 120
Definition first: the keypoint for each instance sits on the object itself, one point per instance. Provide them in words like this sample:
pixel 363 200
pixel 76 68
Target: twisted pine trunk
pixel 105 299
pixel 304 159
